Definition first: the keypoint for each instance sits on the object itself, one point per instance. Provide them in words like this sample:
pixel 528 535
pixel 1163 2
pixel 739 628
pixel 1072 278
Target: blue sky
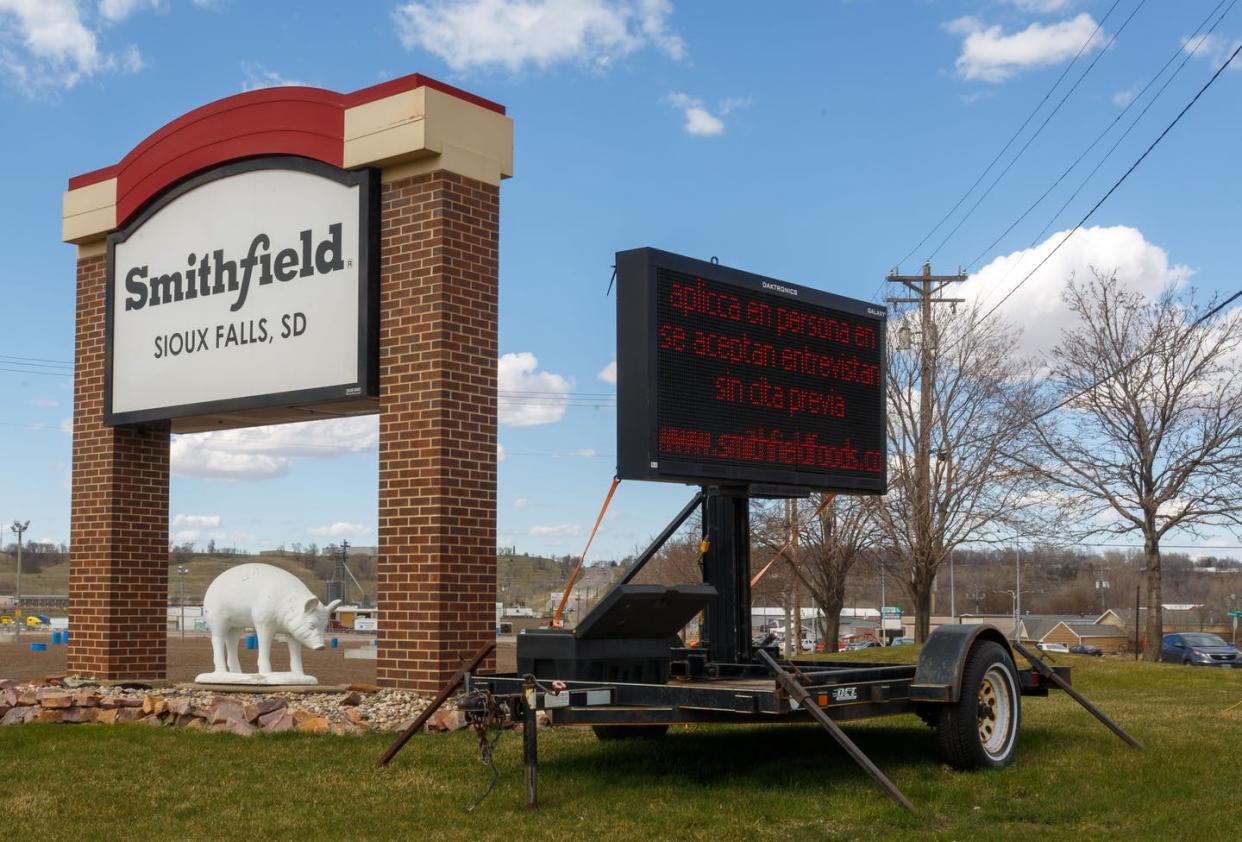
pixel 816 142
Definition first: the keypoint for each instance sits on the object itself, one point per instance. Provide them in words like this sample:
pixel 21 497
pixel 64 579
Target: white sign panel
pixel 251 285
pixel 365 624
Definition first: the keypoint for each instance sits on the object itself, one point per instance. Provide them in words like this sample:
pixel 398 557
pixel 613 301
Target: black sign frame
pixel 638 455
pixel 366 386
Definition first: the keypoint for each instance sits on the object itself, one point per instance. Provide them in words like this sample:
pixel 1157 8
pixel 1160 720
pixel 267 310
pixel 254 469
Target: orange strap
pixel 560 609
pixel 828 498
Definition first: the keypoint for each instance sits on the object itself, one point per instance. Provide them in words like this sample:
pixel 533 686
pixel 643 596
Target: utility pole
pixel 797 579
pixel 927 288
pixel 181 571
pixel 18 529
pixel 952 587
pixel 883 602
pixel 1017 597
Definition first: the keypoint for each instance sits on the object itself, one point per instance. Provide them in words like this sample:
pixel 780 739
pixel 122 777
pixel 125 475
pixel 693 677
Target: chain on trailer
pixel 489 722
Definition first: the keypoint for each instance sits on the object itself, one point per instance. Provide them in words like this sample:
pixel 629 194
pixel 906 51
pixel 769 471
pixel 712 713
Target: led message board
pixel 725 377
pixel 251 285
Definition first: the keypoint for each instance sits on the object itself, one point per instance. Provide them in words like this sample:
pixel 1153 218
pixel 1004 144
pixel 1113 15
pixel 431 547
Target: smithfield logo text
pixel 213 274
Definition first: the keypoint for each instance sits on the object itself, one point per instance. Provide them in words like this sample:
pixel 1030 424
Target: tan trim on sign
pixel 88 211
pixel 94 248
pixel 425 130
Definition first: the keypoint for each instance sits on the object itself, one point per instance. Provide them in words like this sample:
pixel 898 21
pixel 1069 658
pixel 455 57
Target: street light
pixel 18 528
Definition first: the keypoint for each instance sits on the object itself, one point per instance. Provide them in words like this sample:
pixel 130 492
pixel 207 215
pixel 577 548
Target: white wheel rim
pixel 996 707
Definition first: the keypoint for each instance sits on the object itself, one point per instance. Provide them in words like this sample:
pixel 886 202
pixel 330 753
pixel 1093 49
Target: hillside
pixel 521 579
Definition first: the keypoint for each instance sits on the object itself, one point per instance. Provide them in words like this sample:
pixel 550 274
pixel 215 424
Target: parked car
pixel 1199 649
pixel 862 644
pixel 1059 648
pixel 1085 649
pixel 902 641
pixel 808 645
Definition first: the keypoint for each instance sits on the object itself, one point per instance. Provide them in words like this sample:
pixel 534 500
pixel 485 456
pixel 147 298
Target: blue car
pixel 1199 649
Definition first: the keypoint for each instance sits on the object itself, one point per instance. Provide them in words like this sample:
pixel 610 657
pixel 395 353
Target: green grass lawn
pixel 1071 778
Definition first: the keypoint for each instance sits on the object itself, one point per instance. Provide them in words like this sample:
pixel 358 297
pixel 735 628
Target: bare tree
pixel 1151 433
pixel 829 547
pixel 973 489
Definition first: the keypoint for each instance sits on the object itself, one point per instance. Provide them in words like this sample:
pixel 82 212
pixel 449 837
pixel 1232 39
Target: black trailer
pixel 624 671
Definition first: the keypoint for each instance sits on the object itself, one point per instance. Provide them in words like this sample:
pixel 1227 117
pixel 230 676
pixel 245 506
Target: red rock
pixel 196 723
pixel 180 707
pixel 86 698
pixel 446 720
pixel 278 721
pixel 233 726
pixel 184 719
pixel 152 719
pixel 106 716
pixel 52 698
pixel 354 715
pixel 224 710
pixel 346 729
pixel 81 715
pixel 20 715
pixel 271 704
pixel 352 700
pixel 54 680
pixel 8 692
pixel 49 716
pixel 128 714
pixel 27 697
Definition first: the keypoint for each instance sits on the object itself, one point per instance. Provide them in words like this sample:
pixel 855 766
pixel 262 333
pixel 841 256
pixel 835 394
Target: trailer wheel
pixel 623 732
pixel 980 730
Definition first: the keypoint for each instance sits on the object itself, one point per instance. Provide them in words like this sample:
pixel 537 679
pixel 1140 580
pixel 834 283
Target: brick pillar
pixel 118 534
pixel 437 447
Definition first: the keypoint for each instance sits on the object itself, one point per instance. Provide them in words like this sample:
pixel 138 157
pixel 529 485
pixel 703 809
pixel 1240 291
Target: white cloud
pixel 560 530
pixel 46 44
pixel 1042 6
pixel 501 455
pixel 1037 309
pixel 343 529
pixel 45 403
pixel 197 521
pixel 1123 98
pixel 267 452
pixel 586 452
pixel 118 10
pixel 609 373
pixel 699 120
pixel 66 426
pixel 1212 48
pixel 257 76
pixel 521 503
pixel 990 55
pixel 529 397
pixel 514 34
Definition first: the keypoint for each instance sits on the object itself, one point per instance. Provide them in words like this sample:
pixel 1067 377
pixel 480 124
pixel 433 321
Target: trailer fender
pixel 938 677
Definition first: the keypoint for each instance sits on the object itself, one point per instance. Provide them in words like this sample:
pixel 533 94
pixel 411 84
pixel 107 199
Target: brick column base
pixel 437 448
pixel 118 534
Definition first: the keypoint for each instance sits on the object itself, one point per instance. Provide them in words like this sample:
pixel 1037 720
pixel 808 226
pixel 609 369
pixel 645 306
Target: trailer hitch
pixel 1049 674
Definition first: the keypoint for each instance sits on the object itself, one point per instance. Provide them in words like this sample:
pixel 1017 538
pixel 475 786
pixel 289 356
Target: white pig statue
pixel 271 601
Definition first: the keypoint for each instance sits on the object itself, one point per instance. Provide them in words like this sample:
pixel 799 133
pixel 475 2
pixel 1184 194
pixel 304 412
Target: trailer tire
pixel 623 732
pixel 980 730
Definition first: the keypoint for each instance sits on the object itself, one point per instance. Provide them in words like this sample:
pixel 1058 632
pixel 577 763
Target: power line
pixel 1121 114
pixel 33 360
pixel 1118 183
pixel 1012 138
pixel 1039 130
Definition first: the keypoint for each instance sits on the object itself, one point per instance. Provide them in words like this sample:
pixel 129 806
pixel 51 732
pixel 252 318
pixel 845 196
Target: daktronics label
pixel 249 286
pixel 754 380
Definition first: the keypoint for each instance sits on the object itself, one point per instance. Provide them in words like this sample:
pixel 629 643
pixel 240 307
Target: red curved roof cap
pixel 273 121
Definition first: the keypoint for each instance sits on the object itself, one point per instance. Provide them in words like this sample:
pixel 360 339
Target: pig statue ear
pixel 310 604
pixel 331 606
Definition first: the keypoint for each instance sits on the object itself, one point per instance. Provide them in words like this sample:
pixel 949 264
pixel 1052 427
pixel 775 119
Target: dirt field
pixel 188 657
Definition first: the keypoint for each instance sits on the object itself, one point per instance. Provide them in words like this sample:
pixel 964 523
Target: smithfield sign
pixel 251 285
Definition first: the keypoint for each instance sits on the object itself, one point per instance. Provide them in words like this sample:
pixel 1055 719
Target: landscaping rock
pixel 311 723
pixel 233 726
pixel 52 698
pixel 20 715
pixel 270 705
pixel 278 721
pixel 128 714
pixel 352 700
pixel 86 698
pixel 81 716
pixel 106 716
pixel 28 697
pixel 50 716
pixel 446 720
pixel 180 707
pixel 8 692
